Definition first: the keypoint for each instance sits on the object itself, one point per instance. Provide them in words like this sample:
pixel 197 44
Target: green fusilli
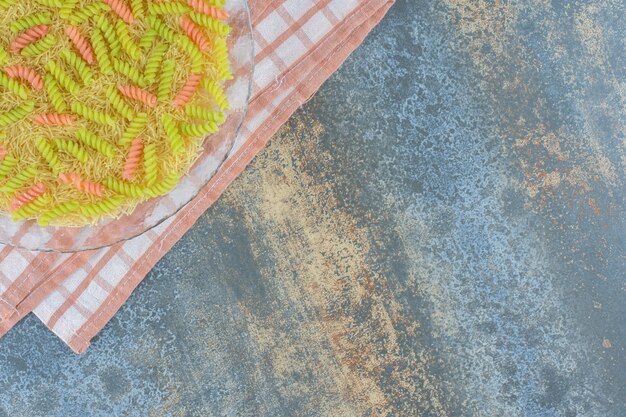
pixel 172 133
pixel 62 77
pixel 164 31
pixel 49 154
pixel 217 91
pixel 38 205
pixel 94 115
pixel 154 62
pixel 81 67
pixel 87 12
pixel 102 207
pixel 58 211
pixel 211 24
pixel 93 141
pixel 166 82
pixel 129 71
pixel 125 188
pixel 72 148
pixel 134 129
pixel 198 129
pixel 29 21
pixel 7 165
pixel 54 93
pixel 13 86
pixel 119 104
pixel 40 46
pixel 100 49
pixel 17 113
pixel 127 43
pixel 19 180
pixel 204 113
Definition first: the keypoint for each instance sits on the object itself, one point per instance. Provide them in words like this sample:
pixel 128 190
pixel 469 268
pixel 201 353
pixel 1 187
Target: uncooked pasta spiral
pixel 93 141
pixel 129 71
pixel 62 77
pixel 204 113
pixel 51 3
pixel 195 33
pixel 27 196
pixel 7 165
pixel 166 82
pixel 101 208
pixel 67 9
pixel 198 129
pixel 4 57
pixel 164 31
pixel 31 35
pixel 137 8
pixel 88 187
pixel 195 54
pixel 17 113
pixel 216 90
pixel 188 90
pixel 13 86
pixel 172 7
pixel 134 129
pixel 148 39
pixel 119 104
pixel 210 23
pixel 133 158
pixel 19 180
pixel 100 50
pixel 220 52
pixel 54 119
pixel 80 43
pixel 121 9
pixel 29 21
pixel 53 90
pixel 58 211
pixel 109 33
pixel 39 47
pixel 154 62
pixel 31 209
pixel 125 40
pixel 25 73
pixel 138 94
pixel 163 187
pixel 150 164
pixel 49 154
pixel 88 11
pixel 72 148
pixel 172 133
pixel 125 188
pixel 77 62
pixel 92 114
pixel 204 8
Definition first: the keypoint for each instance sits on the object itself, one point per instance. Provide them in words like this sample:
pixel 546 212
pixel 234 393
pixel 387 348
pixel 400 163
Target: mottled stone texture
pixel 439 232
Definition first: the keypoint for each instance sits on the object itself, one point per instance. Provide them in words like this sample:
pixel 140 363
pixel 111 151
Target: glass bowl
pixel 29 235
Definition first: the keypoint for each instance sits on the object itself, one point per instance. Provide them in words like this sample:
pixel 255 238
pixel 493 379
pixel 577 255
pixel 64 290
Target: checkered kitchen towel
pixel 299 43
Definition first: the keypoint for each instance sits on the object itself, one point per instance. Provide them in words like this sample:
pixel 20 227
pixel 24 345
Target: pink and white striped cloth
pixel 299 43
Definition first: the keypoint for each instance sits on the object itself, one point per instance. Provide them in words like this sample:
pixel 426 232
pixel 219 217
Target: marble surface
pixel 438 232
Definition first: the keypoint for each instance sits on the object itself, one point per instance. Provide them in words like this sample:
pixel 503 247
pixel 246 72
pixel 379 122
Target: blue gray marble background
pixel 439 232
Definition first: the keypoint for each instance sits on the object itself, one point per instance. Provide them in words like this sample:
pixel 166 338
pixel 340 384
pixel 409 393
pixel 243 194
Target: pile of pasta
pixel 105 103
